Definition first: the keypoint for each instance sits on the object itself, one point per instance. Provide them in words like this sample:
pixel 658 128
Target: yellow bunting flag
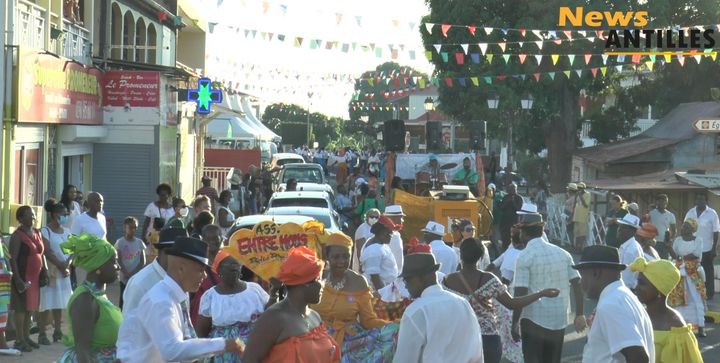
pixel 555 58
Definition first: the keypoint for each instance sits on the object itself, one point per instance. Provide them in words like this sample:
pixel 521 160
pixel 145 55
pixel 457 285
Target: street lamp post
pixel 429 106
pixel 526 103
pixel 364 118
pixel 310 94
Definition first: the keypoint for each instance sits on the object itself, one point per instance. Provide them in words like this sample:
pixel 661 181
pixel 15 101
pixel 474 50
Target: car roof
pixel 297 210
pixel 306 166
pixel 279 219
pixel 300 194
pixel 287 156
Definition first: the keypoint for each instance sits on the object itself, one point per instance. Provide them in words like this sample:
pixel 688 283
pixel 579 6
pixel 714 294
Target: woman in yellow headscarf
pixel 674 339
pixel 347 310
pixel 94 320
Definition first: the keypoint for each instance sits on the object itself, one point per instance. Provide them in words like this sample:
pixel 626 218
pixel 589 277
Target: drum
pixel 422 177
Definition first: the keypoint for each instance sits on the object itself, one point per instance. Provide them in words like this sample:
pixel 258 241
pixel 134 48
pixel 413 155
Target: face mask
pixel 63 219
pixel 372 221
pixel 184 211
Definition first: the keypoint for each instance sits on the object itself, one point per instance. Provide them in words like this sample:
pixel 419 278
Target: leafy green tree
pixel 323 129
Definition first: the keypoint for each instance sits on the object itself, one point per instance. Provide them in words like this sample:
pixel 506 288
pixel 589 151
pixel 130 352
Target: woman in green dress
pixel 94 320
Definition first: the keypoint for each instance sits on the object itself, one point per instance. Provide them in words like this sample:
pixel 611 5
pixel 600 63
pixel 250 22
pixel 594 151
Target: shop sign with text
pixel 131 89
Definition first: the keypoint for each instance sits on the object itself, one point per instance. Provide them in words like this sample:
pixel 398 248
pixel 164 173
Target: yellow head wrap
pixel 89 251
pixel 339 239
pixel 661 273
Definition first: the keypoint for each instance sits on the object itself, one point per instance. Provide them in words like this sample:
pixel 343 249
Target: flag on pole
pixel 481 174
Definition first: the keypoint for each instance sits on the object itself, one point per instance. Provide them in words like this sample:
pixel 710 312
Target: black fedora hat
pixel 190 248
pixel 168 236
pixel 600 257
pixel 419 264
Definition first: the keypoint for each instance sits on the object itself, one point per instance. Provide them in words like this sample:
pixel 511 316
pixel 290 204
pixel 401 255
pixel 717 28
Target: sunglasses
pixel 469 229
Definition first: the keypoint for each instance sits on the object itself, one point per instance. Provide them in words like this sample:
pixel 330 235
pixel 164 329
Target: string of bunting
pixel 538 33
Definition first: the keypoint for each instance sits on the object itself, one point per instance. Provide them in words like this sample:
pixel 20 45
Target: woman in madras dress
pixel 230 308
pixel 689 296
pixel 94 320
pixel 347 310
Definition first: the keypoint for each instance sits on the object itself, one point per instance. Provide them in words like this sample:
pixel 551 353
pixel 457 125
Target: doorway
pixel 74 171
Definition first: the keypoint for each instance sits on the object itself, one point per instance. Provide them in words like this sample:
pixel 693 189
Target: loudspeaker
pixel 477 135
pixel 433 130
pixel 394 135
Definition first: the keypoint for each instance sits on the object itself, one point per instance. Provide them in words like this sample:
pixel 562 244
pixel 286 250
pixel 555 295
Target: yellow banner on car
pixel 265 247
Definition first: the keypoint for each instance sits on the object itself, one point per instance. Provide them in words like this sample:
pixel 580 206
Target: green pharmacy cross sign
pixel 204 95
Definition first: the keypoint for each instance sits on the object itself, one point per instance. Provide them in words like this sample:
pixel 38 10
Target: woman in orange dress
pixel 289 331
pixel 346 308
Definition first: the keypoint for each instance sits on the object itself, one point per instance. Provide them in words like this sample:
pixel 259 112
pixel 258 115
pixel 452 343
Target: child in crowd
pixel 180 219
pixel 153 238
pixel 131 253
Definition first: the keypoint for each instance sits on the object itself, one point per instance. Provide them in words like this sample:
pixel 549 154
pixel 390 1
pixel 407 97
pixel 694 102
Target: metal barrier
pixel 218 176
pixel 30 25
pixel 76 43
pixel 557 224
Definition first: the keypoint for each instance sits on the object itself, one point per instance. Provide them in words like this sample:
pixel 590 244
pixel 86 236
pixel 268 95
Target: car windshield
pixel 322 217
pixel 304 175
pixel 299 202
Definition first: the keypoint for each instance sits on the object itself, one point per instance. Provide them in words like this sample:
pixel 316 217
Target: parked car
pixel 303 173
pixel 247 222
pixel 280 159
pixel 301 199
pixel 328 217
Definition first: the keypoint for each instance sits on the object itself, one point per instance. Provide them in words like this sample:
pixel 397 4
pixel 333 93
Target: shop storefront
pixel 57 104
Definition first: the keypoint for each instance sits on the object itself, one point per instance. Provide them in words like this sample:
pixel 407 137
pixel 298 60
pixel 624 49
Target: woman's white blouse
pixel 242 307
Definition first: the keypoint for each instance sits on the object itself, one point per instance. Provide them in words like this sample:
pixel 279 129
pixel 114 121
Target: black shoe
pixel 43 340
pixel 32 344
pixel 57 336
pixel 34 330
pixel 22 346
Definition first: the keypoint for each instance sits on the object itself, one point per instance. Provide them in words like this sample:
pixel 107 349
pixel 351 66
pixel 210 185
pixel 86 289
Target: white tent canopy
pixel 229 125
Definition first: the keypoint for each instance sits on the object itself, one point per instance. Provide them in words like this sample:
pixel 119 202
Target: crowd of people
pixel 367 296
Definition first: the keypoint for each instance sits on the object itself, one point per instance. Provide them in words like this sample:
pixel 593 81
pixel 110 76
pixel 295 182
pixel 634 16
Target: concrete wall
pixel 698 150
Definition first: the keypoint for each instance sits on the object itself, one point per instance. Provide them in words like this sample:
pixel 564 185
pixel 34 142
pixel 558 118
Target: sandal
pixel 43 340
pixel 57 336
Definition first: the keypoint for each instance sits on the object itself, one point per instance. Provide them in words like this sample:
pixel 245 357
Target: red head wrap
pixel 300 267
pixel 417 247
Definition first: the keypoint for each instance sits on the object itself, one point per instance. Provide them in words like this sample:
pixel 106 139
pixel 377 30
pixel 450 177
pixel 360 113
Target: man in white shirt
pixel 162 331
pixel 362 233
pixel 664 221
pixel 708 228
pixel 621 330
pixel 630 249
pixel 396 214
pixel 438 326
pixel 93 222
pixel 542 265
pixel 152 273
pixel 444 254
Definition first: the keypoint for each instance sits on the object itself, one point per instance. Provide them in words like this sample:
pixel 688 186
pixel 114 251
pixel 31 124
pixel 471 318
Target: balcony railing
pixel 30 25
pixel 76 42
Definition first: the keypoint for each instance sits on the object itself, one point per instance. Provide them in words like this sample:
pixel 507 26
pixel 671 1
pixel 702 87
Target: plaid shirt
pixel 540 266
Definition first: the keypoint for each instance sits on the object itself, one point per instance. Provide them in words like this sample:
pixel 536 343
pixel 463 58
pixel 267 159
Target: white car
pixel 248 222
pixel 281 159
pixel 301 199
pixel 328 217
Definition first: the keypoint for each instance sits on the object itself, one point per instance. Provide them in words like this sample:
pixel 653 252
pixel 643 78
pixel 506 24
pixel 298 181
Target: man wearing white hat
pixel 395 213
pixel 449 260
pixel 630 249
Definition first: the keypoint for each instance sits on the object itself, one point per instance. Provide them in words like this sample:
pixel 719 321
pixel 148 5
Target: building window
pixel 140 40
pixel 128 37
pixel 152 44
pixel 116 33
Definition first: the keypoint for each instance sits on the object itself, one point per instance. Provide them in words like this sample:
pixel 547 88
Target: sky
pixel 278 71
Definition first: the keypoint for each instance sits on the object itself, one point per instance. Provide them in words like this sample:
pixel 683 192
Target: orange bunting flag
pixel 460 58
pixel 587 58
pixel 636 58
pixel 522 58
pixel 537 77
pixel 449 81
pixel 471 29
pixel 502 45
pixel 522 32
pixel 594 72
pixel 445 28
pixel 568 34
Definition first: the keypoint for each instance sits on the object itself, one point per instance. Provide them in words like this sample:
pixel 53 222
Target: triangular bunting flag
pixel 465 48
pixel 444 28
pixel 649 65
pixel 552 34
pixel 537 77
pixel 483 47
pixel 552 75
pixel 429 27
pixel 604 58
pixel 421 83
pixel 489 58
pixel 449 81
pixel 488 80
pixel 619 68
pixel 488 30
pixel 475 57
pixel 522 32
pixel 603 70
pixel 594 72
pixel 471 29
pixel 428 55
pixel 444 56
pixel 475 81
pixel 538 58
pixel 652 58
pixel 522 58
pixel 621 58
pixel 358 20
pixel 591 39
pixel 568 34
pixel 411 24
pixel 539 44
pixel 437 47
pixel 502 45
pixel 587 58
pixel 571 58
pixel 567 74
pixel 378 52
pixel 558 41
pixel 579 73
pixel 668 57
pixel 506 57
pixel 583 33
pixel 460 58
pixel 555 58
pixel 537 34
pixel 461 80
pixel 636 58
pixel 298 42
pixel 520 44
pixel 338 18
pixel 698 58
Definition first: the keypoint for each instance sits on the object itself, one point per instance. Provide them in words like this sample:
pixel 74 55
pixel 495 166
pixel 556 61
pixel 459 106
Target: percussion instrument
pixel 448 166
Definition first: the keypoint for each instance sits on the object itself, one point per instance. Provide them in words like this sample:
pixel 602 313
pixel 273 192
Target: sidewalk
pixel 50 353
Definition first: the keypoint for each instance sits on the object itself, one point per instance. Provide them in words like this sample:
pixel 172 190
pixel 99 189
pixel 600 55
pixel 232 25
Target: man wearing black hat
pixel 161 329
pixel 153 272
pixel 436 326
pixel 542 265
pixel 621 330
